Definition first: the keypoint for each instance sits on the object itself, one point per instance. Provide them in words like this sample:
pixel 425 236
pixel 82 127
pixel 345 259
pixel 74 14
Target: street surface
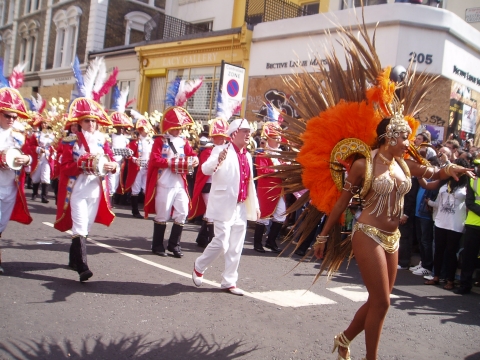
pixel 139 305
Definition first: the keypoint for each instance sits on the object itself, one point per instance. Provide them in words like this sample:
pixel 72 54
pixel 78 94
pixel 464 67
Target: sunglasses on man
pixel 10 117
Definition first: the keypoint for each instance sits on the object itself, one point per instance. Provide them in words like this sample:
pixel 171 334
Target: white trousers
pixel 229 239
pixel 205 197
pixel 84 210
pixel 41 173
pixel 277 216
pixel 165 199
pixel 140 181
pixel 114 179
pixel 7 202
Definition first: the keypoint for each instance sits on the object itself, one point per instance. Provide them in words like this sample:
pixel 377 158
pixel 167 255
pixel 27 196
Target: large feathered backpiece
pixel 337 103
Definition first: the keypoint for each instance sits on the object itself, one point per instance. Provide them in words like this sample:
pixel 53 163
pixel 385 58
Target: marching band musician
pixel 119 141
pixel 82 196
pixel 270 198
pixel 233 188
pixel 218 134
pixel 42 165
pixel 138 163
pixel 170 159
pixel 121 122
pixel 13 205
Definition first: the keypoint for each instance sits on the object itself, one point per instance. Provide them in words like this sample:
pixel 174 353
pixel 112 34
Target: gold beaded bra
pixel 384 185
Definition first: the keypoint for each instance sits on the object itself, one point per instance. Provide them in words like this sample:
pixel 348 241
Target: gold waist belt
pixel 389 241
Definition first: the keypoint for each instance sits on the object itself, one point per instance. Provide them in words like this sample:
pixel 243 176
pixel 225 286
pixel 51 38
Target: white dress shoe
pixel 197 280
pixel 235 291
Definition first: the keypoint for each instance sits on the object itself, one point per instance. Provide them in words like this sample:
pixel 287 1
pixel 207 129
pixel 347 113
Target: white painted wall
pixel 448 40
pixel 459 8
pixel 194 11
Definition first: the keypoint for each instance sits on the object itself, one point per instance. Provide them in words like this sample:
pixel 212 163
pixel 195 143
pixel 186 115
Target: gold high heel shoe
pixel 342 341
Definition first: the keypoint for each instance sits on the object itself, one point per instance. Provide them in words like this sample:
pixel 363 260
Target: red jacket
pixel 155 166
pixel 69 172
pixel 268 189
pixel 198 205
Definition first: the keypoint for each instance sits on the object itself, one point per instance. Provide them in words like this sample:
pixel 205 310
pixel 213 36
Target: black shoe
pixel 44 200
pixel 259 249
pixel 160 253
pixel 177 254
pixel 300 252
pixel 137 215
pixel 462 290
pixel 274 248
pixel 84 276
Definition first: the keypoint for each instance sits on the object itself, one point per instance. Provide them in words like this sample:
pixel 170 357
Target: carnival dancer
pixel 42 165
pixel 138 162
pixel 86 159
pixel 232 186
pixel 270 197
pixel 171 159
pixel 345 113
pixel 120 141
pixel 13 205
pixel 201 191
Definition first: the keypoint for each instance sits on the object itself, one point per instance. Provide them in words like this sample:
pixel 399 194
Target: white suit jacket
pixel 222 200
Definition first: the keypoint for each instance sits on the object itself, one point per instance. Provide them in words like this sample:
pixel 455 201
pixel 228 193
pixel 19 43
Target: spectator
pixel 449 226
pixel 407 228
pixel 454 146
pixel 423 141
pixel 472 234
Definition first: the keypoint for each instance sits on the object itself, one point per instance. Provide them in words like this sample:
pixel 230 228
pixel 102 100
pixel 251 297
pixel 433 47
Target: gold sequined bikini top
pixel 383 186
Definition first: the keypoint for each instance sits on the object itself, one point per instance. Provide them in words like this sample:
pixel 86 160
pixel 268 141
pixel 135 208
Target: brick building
pixel 47 34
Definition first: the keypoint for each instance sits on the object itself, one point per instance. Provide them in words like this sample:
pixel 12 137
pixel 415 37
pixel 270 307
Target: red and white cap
pixel 12 101
pixel 175 117
pixel 82 108
pixel 218 127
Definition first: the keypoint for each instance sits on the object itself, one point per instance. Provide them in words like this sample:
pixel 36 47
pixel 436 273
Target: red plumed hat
pixel 12 101
pixel 175 117
pixel 218 127
pixel 120 119
pixel 271 129
pixel 38 118
pixel 82 108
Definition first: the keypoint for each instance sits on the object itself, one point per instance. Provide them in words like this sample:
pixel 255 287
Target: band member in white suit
pixel 232 186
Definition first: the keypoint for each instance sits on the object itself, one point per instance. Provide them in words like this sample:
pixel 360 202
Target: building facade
pixel 423 37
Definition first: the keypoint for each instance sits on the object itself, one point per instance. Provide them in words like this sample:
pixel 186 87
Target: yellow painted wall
pixel 156 59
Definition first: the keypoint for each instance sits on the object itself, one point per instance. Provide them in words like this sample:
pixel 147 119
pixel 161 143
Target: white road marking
pixel 292 298
pixel 355 293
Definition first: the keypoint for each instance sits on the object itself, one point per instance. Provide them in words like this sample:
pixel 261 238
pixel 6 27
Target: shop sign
pixel 472 15
pixel 189 60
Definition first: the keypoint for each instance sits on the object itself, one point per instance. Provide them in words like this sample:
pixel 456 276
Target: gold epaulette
pixel 70 138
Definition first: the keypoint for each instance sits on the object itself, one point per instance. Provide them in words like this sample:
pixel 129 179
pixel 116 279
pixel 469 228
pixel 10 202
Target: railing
pixel 257 11
pixel 162 26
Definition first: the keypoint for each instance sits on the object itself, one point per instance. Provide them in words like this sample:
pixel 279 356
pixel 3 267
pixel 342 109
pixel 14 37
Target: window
pixel 31 6
pixel 205 25
pixel 357 3
pixel 2 12
pixel 135 26
pixel 28 44
pixel 11 8
pixel 7 46
pixel 311 8
pixel 67 24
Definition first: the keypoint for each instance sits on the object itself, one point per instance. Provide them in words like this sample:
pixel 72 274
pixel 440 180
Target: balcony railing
pixel 258 11
pixel 162 26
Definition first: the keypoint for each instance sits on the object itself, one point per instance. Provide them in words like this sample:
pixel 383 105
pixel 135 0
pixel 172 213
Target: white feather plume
pixel 90 76
pixel 101 76
pixel 122 101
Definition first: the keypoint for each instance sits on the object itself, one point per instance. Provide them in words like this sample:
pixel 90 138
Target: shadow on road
pixel 62 288
pixel 135 346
